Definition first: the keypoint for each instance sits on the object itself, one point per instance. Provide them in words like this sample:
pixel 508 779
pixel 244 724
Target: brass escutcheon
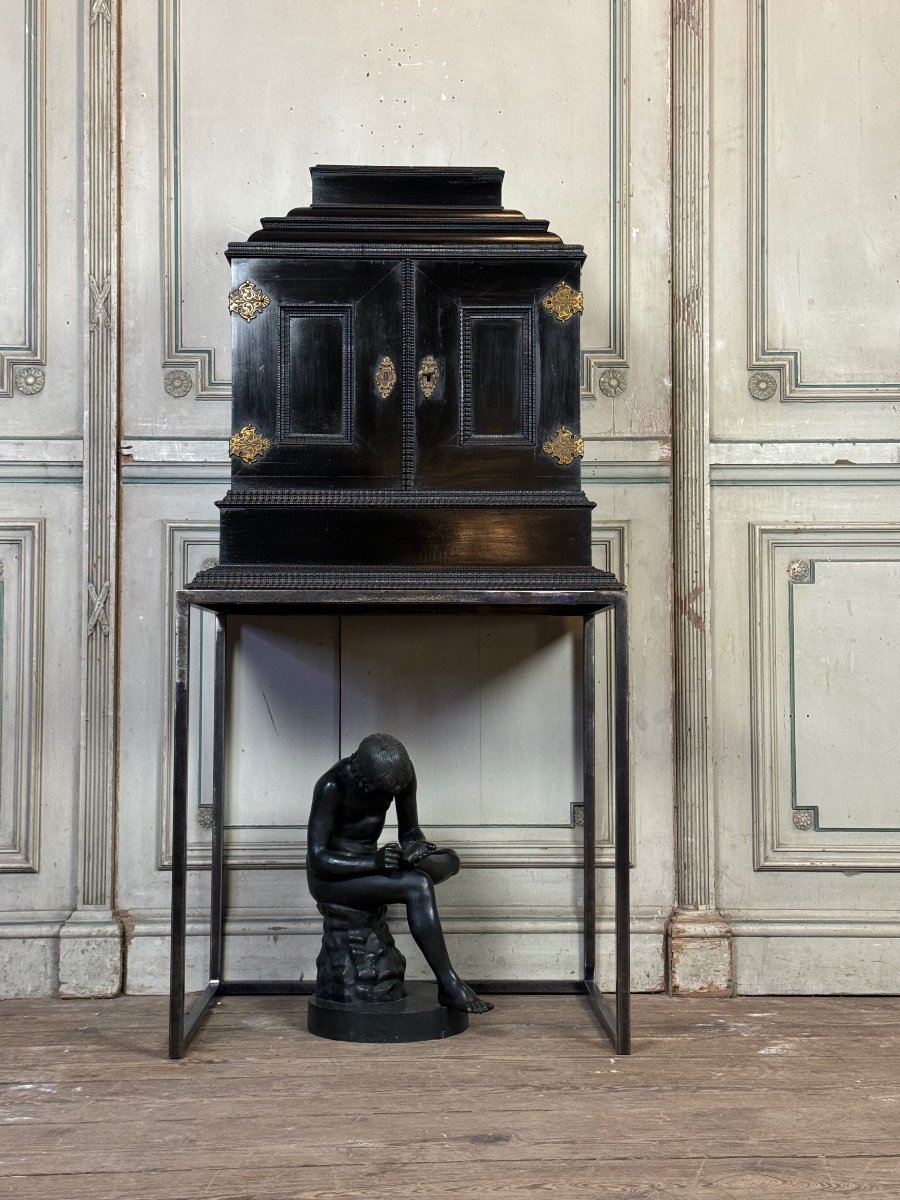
pixel 428 375
pixel 385 377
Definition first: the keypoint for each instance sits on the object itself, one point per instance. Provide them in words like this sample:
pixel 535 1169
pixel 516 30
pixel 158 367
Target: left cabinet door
pixel 310 375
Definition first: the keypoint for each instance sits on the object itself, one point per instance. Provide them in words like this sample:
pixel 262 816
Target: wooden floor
pixel 751 1098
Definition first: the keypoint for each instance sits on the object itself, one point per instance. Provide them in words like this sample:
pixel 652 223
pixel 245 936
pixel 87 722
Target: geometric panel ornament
pixel 825 621
pixel 799 331
pixel 21 672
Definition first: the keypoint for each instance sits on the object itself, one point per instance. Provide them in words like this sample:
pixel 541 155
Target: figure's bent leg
pixel 425 926
pixel 415 889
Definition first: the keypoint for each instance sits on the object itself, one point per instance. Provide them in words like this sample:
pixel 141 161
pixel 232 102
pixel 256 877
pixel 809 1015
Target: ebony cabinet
pixel 406 380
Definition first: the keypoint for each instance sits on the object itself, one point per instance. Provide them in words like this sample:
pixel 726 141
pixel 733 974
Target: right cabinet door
pixel 498 374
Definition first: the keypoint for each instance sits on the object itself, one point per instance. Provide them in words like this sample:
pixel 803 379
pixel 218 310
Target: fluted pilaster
pixel 696 920
pixel 90 953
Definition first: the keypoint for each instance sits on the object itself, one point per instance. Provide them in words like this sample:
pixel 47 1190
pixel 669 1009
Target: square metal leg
pixel 179 828
pixel 183 1026
pixel 616 1022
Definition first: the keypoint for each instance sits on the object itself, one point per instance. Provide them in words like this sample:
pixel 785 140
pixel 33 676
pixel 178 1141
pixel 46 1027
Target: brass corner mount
pixel 565 446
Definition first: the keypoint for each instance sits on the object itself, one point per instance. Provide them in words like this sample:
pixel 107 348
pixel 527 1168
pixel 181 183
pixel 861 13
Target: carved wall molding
pixel 96 849
pixel 211 385
pixel 501 918
pixel 29 349
pixel 762 355
pixel 762 385
pixel 22 566
pixel 98 600
pixel 794 825
pixel 30 380
pixel 690 454
pixel 177 383
pixel 612 382
pixel 615 352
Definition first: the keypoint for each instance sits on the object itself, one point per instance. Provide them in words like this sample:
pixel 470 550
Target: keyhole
pixel 428 375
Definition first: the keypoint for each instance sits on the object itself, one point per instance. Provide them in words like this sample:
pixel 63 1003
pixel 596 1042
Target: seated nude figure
pixel 345 865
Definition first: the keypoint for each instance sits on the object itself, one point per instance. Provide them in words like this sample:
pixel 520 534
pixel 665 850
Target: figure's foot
pixel 460 996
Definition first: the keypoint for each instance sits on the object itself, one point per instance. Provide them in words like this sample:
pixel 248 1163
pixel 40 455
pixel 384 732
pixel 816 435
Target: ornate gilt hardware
pixel 428 376
pixel 385 377
pixel 248 444
pixel 564 302
pixel 247 300
pixel 565 446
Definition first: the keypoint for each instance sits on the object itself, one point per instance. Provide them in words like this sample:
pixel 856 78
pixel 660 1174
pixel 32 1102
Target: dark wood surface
pixel 416 276
pixel 754 1098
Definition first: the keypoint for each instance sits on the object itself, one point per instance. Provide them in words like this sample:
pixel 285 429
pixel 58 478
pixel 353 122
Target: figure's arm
pixel 412 839
pixel 408 814
pixel 328 863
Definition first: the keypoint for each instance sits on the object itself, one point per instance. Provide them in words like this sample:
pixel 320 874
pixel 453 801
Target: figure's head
pixel 381 764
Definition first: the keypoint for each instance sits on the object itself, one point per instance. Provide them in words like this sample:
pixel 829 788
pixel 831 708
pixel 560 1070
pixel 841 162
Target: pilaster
pixel 91 941
pixel 699 939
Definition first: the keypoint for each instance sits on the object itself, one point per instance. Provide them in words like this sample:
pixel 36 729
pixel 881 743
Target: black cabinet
pixel 406 380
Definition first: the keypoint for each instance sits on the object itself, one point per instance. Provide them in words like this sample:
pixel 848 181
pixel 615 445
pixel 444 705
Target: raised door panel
pixel 307 374
pixel 497 374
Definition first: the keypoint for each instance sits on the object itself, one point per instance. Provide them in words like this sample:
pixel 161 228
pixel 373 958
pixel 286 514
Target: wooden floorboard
pixel 754 1098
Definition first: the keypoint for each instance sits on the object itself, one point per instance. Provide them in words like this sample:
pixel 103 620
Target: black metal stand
pixel 614 1019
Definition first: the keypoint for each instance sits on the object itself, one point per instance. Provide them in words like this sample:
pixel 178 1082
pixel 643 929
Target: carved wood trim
pixel 690 450
pixel 784 362
pixel 30 350
pixel 21 682
pixel 98 744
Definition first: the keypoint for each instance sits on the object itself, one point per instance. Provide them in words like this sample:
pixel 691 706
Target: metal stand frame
pixel 614 1019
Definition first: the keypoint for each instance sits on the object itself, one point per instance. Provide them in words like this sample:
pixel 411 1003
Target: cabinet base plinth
pixel 394 537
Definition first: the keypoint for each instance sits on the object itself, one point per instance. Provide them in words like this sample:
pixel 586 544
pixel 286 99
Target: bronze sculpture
pixel 352 880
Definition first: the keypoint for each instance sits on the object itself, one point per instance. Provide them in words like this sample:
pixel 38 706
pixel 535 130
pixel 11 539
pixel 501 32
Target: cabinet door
pixel 307 372
pixel 504 376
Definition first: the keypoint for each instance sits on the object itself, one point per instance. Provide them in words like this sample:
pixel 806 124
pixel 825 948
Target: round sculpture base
pixel 417 1018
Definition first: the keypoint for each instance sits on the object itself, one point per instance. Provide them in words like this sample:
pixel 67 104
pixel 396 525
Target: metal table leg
pixel 217 863
pixel 616 1022
pixel 179 827
pixel 623 831
pixel 589 757
pixel 182 1027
